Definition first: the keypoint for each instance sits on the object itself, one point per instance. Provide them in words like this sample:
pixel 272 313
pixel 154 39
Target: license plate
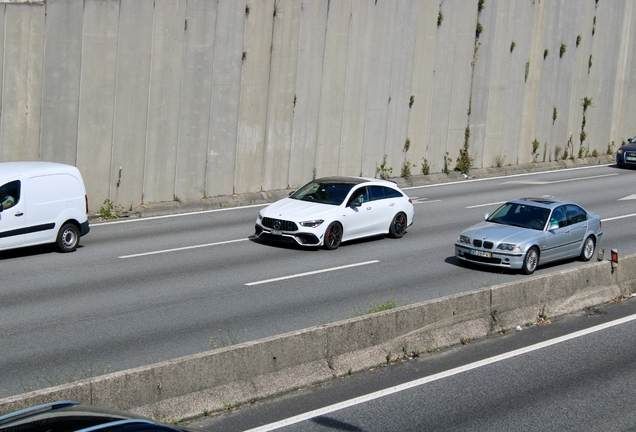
pixel 481 253
pixel 277 232
pixel 630 158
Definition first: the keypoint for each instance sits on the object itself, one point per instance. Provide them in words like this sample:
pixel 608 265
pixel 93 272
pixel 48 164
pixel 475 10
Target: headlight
pixel 508 247
pixel 260 214
pixel 620 151
pixel 311 223
pixel 464 239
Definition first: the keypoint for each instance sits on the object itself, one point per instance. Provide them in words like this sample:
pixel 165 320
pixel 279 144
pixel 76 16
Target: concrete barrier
pixel 211 381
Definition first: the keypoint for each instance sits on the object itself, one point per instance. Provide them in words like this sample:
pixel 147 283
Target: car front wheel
pixel 333 236
pixel 68 238
pixel 530 261
pixel 398 225
pixel 589 246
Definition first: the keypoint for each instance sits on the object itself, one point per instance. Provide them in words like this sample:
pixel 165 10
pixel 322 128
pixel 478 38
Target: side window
pixel 575 214
pixel 376 193
pixel 391 193
pixel 10 194
pixel 558 215
pixel 361 195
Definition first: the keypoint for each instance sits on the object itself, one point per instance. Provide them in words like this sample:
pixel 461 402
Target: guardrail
pixel 189 386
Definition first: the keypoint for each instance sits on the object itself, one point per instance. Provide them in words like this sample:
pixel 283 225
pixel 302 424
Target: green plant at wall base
pixel 464 161
pixel 176 198
pixel 377 307
pixel 440 18
pixel 578 40
pixel 464 341
pixel 110 210
pixel 447 161
pixel 610 148
pixel 545 150
pixel 554 114
pixel 535 150
pixel 405 172
pixel 562 50
pixel 595 153
pixel 221 341
pixel 426 167
pixel 566 153
pixel 383 170
pixel 581 152
pixel 479 29
pixel 512 46
pixel 500 161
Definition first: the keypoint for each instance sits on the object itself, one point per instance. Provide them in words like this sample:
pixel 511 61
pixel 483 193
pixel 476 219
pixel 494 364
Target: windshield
pixel 323 192
pixel 521 215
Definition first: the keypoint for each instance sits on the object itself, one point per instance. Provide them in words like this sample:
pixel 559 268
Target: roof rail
pixel 27 412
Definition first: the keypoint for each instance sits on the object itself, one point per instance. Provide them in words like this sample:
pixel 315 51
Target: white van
pixel 42 202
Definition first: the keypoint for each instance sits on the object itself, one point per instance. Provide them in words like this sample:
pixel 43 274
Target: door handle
pixel 18 214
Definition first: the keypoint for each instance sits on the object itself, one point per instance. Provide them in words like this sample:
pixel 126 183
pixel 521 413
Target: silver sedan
pixel 525 233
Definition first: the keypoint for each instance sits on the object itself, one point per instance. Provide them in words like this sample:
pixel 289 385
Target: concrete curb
pixel 210 381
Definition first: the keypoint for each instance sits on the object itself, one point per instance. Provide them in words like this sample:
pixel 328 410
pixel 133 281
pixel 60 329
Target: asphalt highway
pixel 140 291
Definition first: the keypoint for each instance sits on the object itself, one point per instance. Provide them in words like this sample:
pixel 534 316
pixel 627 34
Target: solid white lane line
pixel 310 273
pixel 140 219
pixel 438 376
pixel 183 248
pixel 486 205
pixel 618 217
pixel 545 182
pixel 502 177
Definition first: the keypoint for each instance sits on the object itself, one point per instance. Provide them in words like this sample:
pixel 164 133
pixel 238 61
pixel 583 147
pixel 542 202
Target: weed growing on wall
pixel 535 150
pixel 527 70
pixel 578 40
pixel 447 162
pixel 464 161
pixel 562 50
pixel 610 148
pixel 554 114
pixel 589 64
pixel 405 172
pixel 110 210
pixel 440 18
pixel 384 171
pixel 557 152
pixel 426 167
pixel 512 46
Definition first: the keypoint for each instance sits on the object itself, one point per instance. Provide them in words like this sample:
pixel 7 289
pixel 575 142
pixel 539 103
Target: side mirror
pixel 553 226
pixel 486 216
pixel 292 192
pixel 355 203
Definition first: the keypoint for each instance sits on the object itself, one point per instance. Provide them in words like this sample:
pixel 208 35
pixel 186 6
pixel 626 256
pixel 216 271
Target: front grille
pixel 284 225
pixel 485 245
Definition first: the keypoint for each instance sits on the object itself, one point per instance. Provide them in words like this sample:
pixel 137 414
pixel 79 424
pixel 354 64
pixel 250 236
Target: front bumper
pixel 627 158
pixel 298 237
pixel 490 258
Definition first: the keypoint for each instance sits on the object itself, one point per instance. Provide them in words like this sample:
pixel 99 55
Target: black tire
pixel 333 236
pixel 589 247
pixel 530 261
pixel 398 225
pixel 68 238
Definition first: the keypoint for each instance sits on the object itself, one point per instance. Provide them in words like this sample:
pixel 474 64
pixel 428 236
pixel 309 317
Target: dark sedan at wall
pixel 626 154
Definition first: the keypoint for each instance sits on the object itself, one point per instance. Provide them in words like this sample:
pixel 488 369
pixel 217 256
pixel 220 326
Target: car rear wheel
pixel 589 246
pixel 333 236
pixel 530 261
pixel 398 225
pixel 68 238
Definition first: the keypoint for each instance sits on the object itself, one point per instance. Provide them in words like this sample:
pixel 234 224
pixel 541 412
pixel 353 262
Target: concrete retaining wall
pixel 161 100
pixel 188 386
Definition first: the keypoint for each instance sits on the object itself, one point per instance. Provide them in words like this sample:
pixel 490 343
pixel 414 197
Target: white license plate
pixel 630 158
pixel 481 253
pixel 277 232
